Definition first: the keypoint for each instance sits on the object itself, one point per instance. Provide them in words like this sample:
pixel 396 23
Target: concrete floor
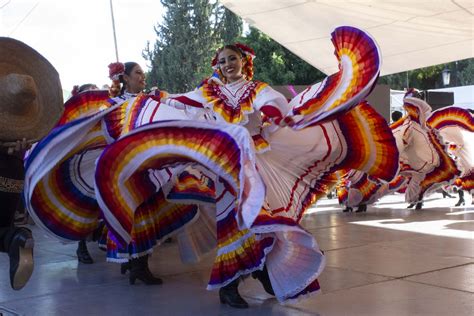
pixel 388 261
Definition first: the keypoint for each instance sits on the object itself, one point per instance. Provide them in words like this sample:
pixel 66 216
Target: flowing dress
pixel 436 148
pixel 230 158
pixel 456 126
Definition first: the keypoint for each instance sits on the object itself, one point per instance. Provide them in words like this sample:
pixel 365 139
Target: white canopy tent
pixel 411 34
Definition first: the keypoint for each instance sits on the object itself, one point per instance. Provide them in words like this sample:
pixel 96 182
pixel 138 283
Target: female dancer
pixel 82 252
pixel 456 126
pixel 257 213
pixel 64 164
pixel 435 149
pixel 264 160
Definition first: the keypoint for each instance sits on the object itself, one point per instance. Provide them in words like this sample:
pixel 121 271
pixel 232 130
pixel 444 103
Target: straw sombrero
pixel 31 100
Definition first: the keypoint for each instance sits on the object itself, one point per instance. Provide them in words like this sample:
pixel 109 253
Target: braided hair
pixel 116 73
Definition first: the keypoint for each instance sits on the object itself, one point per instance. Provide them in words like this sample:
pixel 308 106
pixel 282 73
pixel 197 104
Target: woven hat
pixel 31 100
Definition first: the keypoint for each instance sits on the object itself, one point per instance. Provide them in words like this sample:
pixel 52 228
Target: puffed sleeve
pixel 193 103
pixel 193 98
pixel 272 104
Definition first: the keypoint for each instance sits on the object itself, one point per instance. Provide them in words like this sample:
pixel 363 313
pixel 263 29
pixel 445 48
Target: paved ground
pixel 388 261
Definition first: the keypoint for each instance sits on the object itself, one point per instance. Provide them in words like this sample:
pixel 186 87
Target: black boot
pixel 461 198
pixel 229 295
pixel 83 254
pixel 20 245
pixel 419 206
pixel 361 208
pixel 264 278
pixel 347 209
pixel 446 194
pixel 124 267
pixel 411 205
pixel 139 270
pixel 97 233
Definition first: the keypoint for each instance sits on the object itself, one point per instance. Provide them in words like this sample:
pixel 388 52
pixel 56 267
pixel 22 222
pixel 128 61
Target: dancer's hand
pixel 287 121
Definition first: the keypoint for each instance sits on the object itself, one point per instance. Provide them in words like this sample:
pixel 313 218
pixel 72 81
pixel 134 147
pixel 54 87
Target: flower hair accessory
pixel 244 49
pixel 413 93
pixel 115 70
pixel 214 60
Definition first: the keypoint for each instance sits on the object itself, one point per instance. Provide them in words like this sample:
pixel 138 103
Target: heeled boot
pixel 264 278
pixel 139 270
pixel 97 233
pixel 461 198
pixel 411 205
pixel 446 194
pixel 347 209
pixel 361 208
pixel 19 244
pixel 124 267
pixel 419 206
pixel 229 295
pixel 83 254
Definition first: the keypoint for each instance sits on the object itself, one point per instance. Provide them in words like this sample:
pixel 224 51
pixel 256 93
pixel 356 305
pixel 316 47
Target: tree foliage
pixel 462 74
pixel 186 41
pixel 230 27
pixel 463 71
pixel 276 65
pixel 192 30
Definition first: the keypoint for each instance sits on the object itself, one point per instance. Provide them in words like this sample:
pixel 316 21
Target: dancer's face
pixel 135 82
pixel 230 63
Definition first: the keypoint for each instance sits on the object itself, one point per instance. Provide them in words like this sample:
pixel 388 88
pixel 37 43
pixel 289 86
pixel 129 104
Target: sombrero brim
pixel 17 57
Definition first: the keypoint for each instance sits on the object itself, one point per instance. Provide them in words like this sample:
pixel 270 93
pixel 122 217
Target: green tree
pixel 278 66
pixel 462 74
pixel 396 81
pixel 230 26
pixel 167 52
pixel 191 32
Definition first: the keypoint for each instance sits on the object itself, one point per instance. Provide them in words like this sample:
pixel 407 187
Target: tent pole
pixel 113 28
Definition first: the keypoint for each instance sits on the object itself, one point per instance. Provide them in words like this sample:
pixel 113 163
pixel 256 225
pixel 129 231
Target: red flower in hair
pixel 214 61
pixel 115 70
pixel 244 48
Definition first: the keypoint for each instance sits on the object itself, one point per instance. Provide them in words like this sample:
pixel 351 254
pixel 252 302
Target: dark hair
pixel 234 48
pixel 128 70
pixel 87 86
pixel 415 93
pixel 78 89
pixel 396 115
